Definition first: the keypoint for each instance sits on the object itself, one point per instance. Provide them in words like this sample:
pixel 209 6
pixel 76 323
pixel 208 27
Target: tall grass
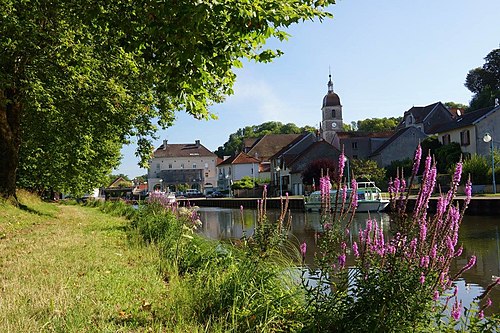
pixel 219 286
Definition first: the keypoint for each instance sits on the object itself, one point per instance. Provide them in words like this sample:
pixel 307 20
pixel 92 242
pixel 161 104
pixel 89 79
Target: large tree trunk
pixel 10 124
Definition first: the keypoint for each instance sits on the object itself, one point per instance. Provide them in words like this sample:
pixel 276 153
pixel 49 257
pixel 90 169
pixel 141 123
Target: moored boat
pixel 370 199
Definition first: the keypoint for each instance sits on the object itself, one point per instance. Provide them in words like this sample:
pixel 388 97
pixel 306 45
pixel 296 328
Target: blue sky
pixel 385 57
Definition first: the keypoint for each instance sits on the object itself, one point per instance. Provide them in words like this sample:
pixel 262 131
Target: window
pixel 194 165
pixel 354 145
pixel 333 113
pixel 170 165
pixel 206 165
pixel 158 166
pixel 182 165
pixel 446 139
pixel 465 138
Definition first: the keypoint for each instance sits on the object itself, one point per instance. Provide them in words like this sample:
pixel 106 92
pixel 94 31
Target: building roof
pixel 467 119
pixel 241 158
pixel 331 99
pixel 349 135
pixel 182 150
pixel 392 139
pixel 270 144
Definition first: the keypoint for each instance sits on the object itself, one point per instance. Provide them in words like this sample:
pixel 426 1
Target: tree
pixel 235 142
pixel 367 170
pixel 459 106
pixel 484 82
pixel 314 170
pixel 244 183
pixel 378 124
pixel 79 78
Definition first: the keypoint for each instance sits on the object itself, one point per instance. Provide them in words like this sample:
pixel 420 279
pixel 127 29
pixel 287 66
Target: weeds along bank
pixel 249 286
pixel 398 284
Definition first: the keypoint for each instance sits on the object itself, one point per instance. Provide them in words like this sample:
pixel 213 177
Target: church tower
pixel 331 122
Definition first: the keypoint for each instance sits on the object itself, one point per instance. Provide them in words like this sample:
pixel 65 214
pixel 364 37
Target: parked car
pixel 215 194
pixel 193 193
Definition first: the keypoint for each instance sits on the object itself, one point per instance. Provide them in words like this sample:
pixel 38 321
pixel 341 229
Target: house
pixel 427 118
pixel 190 164
pixel 469 129
pixel 288 164
pixel 399 146
pixel 235 168
pixel 281 161
pixel 317 151
pixel 360 145
pixel 265 147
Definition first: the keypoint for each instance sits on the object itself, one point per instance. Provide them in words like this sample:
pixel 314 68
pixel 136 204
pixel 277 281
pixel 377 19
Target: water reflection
pixel 479 235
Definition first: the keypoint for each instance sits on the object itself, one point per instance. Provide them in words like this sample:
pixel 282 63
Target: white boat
pixel 370 199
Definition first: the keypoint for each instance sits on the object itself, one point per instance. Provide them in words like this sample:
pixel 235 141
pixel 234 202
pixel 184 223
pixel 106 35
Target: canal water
pixel 479 235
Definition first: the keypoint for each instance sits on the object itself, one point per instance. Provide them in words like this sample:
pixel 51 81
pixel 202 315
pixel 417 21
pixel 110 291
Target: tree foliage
pixel 80 78
pixel 235 142
pixel 367 170
pixel 377 124
pixel 318 168
pixel 484 82
pixel 244 183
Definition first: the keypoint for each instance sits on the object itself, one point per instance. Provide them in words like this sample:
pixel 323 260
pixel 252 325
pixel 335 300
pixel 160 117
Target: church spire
pixel 330 83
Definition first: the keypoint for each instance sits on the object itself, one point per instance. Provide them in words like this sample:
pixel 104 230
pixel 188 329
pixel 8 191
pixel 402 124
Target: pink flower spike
pixel 435 297
pixel 480 315
pixel 488 303
pixel 303 249
pixel 355 249
pixel 422 278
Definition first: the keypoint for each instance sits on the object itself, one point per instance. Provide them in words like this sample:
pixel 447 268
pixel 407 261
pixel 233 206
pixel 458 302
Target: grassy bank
pixel 73 269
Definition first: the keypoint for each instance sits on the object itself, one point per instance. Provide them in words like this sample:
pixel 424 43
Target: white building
pixel 182 164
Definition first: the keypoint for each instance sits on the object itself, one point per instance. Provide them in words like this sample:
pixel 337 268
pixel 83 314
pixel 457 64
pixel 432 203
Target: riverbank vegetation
pixel 115 268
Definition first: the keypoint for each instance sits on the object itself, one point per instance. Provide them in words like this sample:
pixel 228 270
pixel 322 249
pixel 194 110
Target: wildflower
pixel 423 231
pixel 342 260
pixel 468 191
pixel 354 186
pixel 488 303
pixel 355 249
pixel 341 165
pixel 241 208
pixel 422 278
pixel 456 309
pixel 480 315
pixel 416 159
pixel 303 249
pixel 458 173
pixel 435 297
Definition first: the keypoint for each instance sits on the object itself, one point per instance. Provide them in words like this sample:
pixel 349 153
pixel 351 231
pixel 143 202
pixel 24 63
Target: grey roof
pixel 392 139
pixel 467 119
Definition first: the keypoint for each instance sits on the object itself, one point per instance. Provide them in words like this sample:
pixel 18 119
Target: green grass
pixel 73 269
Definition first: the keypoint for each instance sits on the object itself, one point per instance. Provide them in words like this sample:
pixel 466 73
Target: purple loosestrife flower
pixel 435 297
pixel 303 249
pixel 423 231
pixel 468 191
pixel 342 260
pixel 422 278
pixel 416 159
pixel 458 253
pixel 433 251
pixel 480 315
pixel 341 165
pixel 354 186
pixel 470 264
pixel 355 249
pixel 344 193
pixel 397 183
pixel 488 303
pixel 456 309
pixel 458 173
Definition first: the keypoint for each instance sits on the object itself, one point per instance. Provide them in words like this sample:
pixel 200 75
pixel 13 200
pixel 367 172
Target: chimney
pixel 165 144
pixel 197 143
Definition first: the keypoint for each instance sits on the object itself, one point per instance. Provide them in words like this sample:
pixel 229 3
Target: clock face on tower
pixel 334 125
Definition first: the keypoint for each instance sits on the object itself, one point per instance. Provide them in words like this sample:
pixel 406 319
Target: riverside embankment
pixel 478 205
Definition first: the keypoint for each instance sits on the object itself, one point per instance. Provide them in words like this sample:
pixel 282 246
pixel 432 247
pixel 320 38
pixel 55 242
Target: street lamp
pixel 487 138
pixel 161 185
pixel 279 177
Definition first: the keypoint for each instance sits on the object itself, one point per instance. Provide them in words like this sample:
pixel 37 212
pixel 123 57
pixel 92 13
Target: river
pixel 479 235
